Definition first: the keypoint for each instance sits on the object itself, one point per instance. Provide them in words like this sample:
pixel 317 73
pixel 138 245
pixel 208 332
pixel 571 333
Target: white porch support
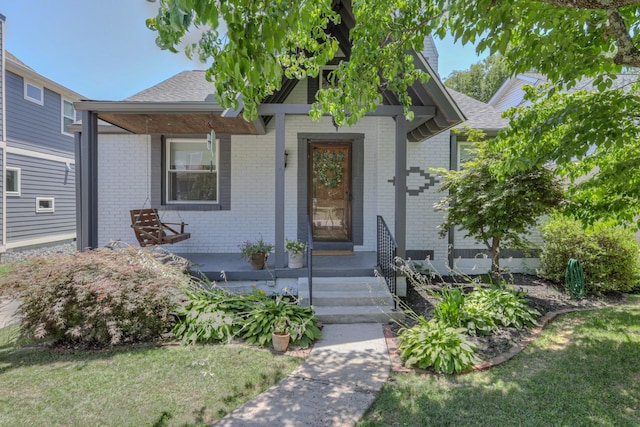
pixel 279 205
pixel 400 230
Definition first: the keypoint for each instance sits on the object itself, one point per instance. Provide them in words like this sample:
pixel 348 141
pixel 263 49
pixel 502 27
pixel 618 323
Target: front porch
pixel 343 289
pixel 235 268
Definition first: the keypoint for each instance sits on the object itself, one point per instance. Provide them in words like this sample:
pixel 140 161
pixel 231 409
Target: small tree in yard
pixel 497 211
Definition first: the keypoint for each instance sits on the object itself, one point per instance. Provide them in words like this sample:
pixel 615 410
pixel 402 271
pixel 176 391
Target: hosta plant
pixel 302 323
pixel 212 314
pixel 434 344
pixel 507 307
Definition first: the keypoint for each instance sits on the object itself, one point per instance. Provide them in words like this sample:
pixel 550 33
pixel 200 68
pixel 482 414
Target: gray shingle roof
pixel 184 86
pixel 479 115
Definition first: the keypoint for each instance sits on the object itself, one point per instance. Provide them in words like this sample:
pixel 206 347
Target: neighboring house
pixel 511 93
pixel 266 177
pixel 37 163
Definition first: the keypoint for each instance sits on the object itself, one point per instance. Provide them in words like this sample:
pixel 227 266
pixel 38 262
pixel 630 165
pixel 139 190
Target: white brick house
pixel 265 178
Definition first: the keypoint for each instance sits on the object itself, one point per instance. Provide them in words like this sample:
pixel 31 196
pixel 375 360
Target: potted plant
pixel 256 252
pixel 296 249
pixel 280 335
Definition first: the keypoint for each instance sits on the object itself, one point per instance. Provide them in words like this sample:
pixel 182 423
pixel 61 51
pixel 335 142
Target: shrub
pixel 260 322
pixel 609 255
pixel 450 307
pixel 434 344
pixel 98 298
pixel 217 315
pixel 211 315
pixel 506 307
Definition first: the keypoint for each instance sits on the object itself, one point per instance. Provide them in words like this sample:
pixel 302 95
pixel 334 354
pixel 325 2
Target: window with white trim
pixel 33 92
pixel 12 181
pixel 68 116
pixel 466 152
pixel 45 204
pixel 192 171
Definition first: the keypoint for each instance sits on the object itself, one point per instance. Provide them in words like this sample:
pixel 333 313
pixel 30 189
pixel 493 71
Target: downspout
pixel 4 140
pixel 453 164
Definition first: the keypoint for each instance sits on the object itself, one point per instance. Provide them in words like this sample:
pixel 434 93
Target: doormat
pixel 332 253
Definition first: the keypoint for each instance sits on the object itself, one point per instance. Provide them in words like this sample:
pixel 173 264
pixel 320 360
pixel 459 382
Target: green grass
pixel 192 385
pixel 583 370
pixel 5 269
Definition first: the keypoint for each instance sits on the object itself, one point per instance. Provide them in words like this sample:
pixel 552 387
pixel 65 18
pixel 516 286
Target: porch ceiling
pixel 178 123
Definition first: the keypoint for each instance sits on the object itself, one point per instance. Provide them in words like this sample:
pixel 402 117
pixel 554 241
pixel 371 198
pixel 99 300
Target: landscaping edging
pixel 398 366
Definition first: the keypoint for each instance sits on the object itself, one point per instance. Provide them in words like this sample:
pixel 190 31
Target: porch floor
pixel 236 268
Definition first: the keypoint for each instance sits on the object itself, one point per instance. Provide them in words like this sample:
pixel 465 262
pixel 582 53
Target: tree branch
pixel 591 4
pixel 628 53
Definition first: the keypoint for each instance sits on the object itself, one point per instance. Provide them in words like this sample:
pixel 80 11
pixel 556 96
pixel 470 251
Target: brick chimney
pixel 431 53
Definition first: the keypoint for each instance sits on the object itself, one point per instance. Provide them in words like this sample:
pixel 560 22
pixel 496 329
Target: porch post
pixel 279 205
pixel 87 182
pixel 401 185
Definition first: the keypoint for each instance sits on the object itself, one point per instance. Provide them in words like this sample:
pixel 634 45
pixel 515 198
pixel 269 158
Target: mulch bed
pixel 542 295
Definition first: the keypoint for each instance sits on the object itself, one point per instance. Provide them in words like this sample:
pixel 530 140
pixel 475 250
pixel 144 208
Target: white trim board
pixel 39 155
pixel 40 240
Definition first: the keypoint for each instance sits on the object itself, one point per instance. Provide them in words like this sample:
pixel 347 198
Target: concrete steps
pixel 349 299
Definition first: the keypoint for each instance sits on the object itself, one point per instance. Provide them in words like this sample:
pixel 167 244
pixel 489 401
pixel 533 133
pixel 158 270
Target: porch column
pixel 401 186
pixel 87 182
pixel 279 205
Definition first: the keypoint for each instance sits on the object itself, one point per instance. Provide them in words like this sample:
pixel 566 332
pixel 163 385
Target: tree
pixel 482 80
pixel 592 139
pixel 566 40
pixel 563 39
pixel 497 211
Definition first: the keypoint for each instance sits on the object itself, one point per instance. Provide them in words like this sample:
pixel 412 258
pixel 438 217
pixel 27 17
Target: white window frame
pixel 462 145
pixel 64 116
pixel 40 209
pixel 29 98
pixel 168 170
pixel 18 179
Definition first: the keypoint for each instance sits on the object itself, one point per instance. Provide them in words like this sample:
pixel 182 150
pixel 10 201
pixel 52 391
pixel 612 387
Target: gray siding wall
pixel 41 178
pixel 2 47
pixel 32 126
pixel 2 154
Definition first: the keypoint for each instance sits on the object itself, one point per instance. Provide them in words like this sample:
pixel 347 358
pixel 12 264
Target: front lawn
pixel 584 369
pixel 186 385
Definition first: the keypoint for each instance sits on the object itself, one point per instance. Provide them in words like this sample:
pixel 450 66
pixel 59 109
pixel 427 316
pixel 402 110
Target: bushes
pixel 433 343
pixel 98 298
pixel 213 315
pixel 609 255
pixel 441 342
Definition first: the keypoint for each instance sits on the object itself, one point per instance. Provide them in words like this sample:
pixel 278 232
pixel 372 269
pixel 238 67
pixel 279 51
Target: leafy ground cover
pixel 583 369
pixel 144 385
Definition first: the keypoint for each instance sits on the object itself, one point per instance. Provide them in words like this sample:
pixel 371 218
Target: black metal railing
pixel 386 255
pixel 310 259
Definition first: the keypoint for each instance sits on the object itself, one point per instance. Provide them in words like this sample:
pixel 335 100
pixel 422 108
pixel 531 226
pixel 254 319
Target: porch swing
pixel 150 230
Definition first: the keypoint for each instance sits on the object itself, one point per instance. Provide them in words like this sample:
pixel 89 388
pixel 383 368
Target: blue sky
pixel 103 50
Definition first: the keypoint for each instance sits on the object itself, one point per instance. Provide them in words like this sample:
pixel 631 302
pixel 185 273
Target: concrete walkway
pixel 8 308
pixel 333 387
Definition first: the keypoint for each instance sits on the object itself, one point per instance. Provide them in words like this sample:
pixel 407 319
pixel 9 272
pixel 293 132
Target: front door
pixel 330 191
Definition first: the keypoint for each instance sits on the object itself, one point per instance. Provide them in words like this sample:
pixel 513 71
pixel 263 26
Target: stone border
pixel 398 366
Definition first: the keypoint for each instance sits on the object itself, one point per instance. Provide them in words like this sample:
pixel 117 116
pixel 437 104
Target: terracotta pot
pixel 296 260
pixel 280 341
pixel 257 261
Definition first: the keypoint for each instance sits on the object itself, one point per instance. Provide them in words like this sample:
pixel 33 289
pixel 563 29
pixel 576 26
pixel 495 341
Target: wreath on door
pixel 328 168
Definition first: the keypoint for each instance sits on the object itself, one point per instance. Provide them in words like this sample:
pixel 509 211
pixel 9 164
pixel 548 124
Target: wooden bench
pixel 151 231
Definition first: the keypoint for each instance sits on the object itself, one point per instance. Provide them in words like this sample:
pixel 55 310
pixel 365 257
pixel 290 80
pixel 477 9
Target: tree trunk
pixel 494 253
